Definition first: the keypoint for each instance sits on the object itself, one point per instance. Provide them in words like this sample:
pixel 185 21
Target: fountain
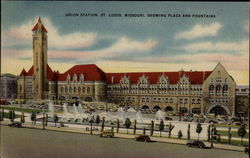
pixel 76 113
pixel 160 115
pixel 65 109
pixel 138 117
pixel 120 114
pixel 51 109
pixel 107 116
pixel 131 110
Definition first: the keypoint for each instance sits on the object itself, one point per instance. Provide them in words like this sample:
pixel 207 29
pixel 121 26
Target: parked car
pixel 237 123
pixel 16 124
pixel 246 150
pixel 168 118
pixel 180 114
pixel 143 138
pixel 107 134
pixel 196 143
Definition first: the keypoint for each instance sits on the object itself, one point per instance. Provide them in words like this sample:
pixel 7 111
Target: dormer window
pixel 68 78
pixel 81 78
pixel 75 78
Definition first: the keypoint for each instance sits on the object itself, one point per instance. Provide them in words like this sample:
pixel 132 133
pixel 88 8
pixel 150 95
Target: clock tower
pixel 40 60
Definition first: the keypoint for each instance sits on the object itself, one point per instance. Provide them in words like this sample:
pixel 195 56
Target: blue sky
pixel 118 44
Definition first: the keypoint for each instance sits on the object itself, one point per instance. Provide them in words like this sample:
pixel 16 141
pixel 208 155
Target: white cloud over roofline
pixel 199 31
pixel 23 35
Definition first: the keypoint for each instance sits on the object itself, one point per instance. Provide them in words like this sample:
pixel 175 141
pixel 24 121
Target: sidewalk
pixel 130 136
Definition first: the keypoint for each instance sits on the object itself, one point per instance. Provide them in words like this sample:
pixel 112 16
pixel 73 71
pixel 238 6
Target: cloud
pixel 242 46
pixel 199 31
pixel 123 46
pixel 57 40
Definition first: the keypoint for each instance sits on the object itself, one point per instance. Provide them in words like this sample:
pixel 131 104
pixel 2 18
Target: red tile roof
pixel 196 77
pixel 91 73
pixel 52 76
pixel 23 73
pixel 35 28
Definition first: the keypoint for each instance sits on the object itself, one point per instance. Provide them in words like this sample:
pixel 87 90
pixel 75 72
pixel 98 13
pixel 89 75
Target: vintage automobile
pixel 196 143
pixel 16 124
pixel 107 134
pixel 168 118
pixel 143 138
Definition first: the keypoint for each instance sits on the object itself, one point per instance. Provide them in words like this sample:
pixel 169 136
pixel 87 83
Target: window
pixel 225 90
pixel 218 89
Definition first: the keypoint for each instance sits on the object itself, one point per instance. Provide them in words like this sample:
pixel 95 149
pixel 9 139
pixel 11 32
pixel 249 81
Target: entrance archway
pixel 183 110
pixel 156 108
pixel 145 107
pixel 169 108
pixel 218 110
pixel 196 110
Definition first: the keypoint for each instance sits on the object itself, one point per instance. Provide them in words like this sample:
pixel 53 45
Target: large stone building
pixel 182 91
pixel 8 87
pixel 242 100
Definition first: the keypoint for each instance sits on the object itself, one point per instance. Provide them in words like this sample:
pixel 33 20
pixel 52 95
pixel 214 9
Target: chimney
pixel 112 79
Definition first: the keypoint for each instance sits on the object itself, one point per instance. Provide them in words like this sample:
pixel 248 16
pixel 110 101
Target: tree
pixel 55 118
pixel 171 127
pixel 22 118
pixel 208 133
pixel 103 123
pixel 188 132
pixel 2 114
pixel 33 117
pixel 118 126
pixel 198 129
pixel 179 134
pixel 161 126
pixel 97 120
pixel 242 132
pixel 135 127
pixel 229 135
pixel 11 115
pixel 46 119
pixel 152 128
pixel 127 124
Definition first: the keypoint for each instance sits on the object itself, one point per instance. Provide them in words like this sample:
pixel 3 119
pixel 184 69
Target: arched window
pixel 70 89
pixel 79 89
pixel 198 101
pixel 83 89
pixel 218 89
pixel 62 89
pixel 66 89
pixel 88 90
pixel 143 99
pixel 75 89
pixel 225 90
pixel 211 89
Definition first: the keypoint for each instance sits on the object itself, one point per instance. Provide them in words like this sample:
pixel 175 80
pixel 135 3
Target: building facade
pixel 8 86
pixel 181 91
pixel 242 100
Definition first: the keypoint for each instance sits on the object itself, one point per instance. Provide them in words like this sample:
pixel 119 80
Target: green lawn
pixel 6 115
pixel 234 134
pixel 232 126
pixel 233 142
pixel 22 109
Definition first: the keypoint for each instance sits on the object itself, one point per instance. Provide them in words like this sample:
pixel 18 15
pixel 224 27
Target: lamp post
pixel 212 135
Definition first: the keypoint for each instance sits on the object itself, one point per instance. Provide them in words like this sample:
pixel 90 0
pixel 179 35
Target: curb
pixel 56 129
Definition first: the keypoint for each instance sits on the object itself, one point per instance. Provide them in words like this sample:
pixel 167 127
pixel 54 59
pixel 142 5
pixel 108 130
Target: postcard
pixel 123 79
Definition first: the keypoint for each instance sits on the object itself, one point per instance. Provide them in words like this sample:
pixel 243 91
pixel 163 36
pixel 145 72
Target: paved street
pixel 34 143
